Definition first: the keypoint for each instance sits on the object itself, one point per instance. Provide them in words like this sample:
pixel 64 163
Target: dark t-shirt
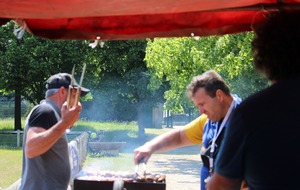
pixel 51 170
pixel 261 143
pixel 44 116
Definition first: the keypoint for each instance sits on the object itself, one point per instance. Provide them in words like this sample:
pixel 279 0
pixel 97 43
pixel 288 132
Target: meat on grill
pixel 125 176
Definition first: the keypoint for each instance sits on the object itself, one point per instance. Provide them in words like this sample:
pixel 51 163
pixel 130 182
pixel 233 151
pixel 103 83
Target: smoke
pixel 109 106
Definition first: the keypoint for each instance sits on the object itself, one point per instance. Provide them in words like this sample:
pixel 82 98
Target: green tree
pixel 116 73
pixel 26 63
pixel 177 60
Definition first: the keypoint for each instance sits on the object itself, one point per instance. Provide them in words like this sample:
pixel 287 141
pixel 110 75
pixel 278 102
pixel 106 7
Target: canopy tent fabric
pixel 137 19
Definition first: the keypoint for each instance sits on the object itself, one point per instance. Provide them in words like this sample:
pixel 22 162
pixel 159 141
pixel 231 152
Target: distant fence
pixel 7 107
pixel 11 138
pixel 81 145
pixel 14 139
pixel 171 120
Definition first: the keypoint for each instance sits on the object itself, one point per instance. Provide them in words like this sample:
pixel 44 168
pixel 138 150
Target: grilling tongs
pixel 141 161
pixel 78 91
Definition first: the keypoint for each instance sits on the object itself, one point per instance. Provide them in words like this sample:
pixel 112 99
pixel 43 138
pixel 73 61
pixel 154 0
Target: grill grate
pixel 80 184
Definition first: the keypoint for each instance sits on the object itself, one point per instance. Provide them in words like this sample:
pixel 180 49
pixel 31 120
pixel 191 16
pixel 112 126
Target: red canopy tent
pixel 137 19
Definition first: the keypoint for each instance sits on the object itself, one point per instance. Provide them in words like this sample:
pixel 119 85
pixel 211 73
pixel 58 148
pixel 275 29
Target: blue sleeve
pixel 230 160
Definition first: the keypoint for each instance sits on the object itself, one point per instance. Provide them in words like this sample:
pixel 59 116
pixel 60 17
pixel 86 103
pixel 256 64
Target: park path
pixel 182 171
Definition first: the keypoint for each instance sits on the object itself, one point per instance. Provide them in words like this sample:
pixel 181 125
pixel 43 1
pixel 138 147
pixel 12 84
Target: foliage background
pixel 127 78
pixel 177 60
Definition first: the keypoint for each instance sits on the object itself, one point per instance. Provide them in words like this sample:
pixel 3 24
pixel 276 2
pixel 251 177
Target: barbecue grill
pixel 94 182
pixel 108 185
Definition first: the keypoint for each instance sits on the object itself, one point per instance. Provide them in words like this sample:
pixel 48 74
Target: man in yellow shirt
pixel 212 96
pixel 194 129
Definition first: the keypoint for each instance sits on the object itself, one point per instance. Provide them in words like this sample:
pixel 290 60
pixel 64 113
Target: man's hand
pixel 143 152
pixel 70 116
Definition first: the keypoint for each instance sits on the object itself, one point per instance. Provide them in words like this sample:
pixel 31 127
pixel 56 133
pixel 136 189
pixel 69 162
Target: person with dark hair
pixel 46 163
pixel 260 144
pixel 212 96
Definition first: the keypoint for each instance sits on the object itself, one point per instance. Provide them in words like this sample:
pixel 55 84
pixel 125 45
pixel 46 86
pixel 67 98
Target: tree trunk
pixel 18 125
pixel 141 133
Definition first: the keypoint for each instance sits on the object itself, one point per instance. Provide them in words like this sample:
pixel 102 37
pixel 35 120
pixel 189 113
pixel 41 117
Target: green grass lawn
pixel 8 124
pixel 11 159
pixel 11 166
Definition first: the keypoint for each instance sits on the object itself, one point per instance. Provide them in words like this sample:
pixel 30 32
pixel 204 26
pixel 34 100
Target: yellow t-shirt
pixel 194 129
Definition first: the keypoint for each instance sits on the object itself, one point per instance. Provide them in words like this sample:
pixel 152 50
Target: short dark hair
pixel 276 46
pixel 211 81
